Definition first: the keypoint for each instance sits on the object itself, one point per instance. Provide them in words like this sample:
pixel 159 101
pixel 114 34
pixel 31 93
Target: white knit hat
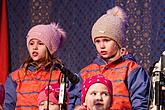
pixel 51 35
pixel 112 25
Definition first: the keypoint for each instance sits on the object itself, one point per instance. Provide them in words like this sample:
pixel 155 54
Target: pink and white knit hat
pixel 51 35
pixel 92 80
pixel 54 90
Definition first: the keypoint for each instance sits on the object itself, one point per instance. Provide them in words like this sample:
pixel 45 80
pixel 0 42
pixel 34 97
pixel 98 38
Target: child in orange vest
pixel 130 81
pixel 23 85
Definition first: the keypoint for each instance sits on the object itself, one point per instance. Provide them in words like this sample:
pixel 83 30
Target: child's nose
pixel 98 97
pixel 35 46
pixel 45 108
pixel 102 45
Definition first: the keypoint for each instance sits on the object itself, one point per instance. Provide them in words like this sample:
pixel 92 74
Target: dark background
pixel 145 33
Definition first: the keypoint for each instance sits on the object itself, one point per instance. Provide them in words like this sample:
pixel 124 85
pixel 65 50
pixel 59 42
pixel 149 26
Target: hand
pixel 1 107
pixel 80 107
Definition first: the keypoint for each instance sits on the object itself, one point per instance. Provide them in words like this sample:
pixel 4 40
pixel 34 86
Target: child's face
pixel 106 47
pixel 52 106
pixel 37 50
pixel 98 97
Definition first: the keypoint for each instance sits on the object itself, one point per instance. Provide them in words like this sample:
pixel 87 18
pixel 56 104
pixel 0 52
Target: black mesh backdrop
pixel 158 29
pixel 145 32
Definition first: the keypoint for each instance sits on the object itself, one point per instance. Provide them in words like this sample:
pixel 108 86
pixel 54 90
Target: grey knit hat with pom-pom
pixel 51 35
pixel 112 25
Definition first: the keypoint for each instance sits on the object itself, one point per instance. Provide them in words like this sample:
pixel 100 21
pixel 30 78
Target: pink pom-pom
pixel 62 33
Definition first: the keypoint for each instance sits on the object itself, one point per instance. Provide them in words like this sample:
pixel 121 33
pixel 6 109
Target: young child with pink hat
pixel 23 85
pixel 96 93
pixel 54 90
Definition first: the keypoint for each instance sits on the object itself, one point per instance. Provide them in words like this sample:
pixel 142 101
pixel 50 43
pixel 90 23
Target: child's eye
pixel 51 103
pixel 93 93
pixel 106 40
pixel 31 43
pixel 97 41
pixel 41 104
pixel 40 43
pixel 105 94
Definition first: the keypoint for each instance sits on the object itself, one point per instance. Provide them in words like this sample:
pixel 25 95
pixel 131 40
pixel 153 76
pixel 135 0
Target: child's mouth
pixel 103 52
pixel 98 103
pixel 35 54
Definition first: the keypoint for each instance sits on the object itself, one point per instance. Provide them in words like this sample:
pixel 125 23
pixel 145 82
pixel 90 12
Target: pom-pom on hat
pixel 112 25
pixel 54 90
pixel 51 35
pixel 92 80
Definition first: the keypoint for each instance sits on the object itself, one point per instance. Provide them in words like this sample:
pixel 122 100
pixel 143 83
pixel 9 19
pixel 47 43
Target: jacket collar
pixel 122 57
pixel 32 67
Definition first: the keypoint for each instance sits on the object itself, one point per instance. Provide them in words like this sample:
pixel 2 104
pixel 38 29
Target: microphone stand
pixel 62 94
pixel 51 70
pixel 157 90
pixel 162 81
pixel 159 74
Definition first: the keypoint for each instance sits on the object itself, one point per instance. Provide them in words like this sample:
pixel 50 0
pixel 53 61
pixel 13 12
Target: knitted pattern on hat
pixel 54 90
pixel 53 93
pixel 51 35
pixel 92 80
pixel 112 25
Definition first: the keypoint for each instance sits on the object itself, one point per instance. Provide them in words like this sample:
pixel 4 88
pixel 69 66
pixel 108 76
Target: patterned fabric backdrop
pixel 145 32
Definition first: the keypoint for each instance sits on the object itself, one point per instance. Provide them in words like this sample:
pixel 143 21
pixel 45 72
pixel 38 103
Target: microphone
pixel 73 78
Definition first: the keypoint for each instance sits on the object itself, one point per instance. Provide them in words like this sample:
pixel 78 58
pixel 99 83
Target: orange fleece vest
pixel 118 74
pixel 28 87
